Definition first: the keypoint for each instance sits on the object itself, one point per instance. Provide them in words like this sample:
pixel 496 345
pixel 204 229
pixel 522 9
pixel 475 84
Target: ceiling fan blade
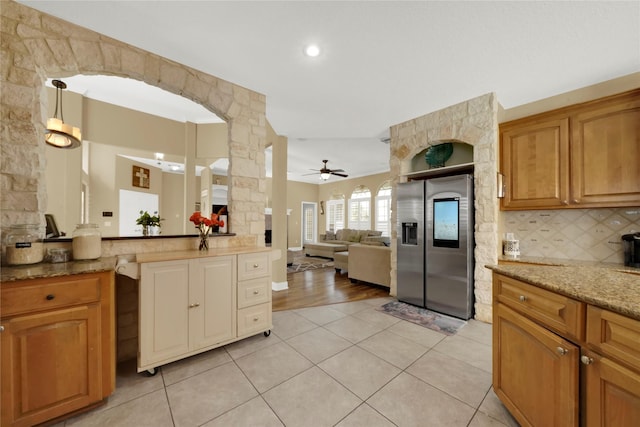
pixel 344 175
pixel 337 170
pixel 313 173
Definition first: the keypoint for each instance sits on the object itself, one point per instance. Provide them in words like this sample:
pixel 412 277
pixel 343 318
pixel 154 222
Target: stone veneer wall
pixel 36 46
pixel 474 122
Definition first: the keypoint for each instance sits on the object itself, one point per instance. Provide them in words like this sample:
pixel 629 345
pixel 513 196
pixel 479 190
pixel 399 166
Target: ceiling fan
pixel 325 172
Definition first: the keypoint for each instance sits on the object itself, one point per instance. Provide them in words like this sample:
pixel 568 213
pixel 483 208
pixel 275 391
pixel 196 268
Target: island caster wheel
pixel 152 372
pixel 267 333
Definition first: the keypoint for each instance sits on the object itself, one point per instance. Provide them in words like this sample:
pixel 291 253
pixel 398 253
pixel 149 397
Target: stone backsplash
pixel 580 234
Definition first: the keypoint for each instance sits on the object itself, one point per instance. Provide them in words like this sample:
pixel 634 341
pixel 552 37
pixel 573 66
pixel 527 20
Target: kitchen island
pixel 566 342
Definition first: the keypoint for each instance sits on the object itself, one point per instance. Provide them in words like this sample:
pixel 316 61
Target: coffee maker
pixel 631 243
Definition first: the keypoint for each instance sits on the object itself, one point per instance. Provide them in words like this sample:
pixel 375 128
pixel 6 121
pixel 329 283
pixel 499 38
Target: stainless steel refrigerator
pixel 435 244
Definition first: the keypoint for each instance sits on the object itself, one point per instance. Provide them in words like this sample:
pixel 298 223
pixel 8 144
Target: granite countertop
pixel 46 269
pixel 610 286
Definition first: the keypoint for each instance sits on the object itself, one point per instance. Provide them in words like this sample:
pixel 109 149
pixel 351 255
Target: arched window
pixel 360 209
pixel 335 212
pixel 383 209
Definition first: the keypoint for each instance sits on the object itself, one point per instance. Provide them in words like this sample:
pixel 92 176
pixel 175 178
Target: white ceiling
pixel 382 63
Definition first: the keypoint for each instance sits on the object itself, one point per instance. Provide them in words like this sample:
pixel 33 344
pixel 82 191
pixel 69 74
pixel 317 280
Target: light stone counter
pixel 609 286
pixel 176 255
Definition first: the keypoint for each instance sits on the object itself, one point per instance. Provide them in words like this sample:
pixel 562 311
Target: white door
pixel 309 222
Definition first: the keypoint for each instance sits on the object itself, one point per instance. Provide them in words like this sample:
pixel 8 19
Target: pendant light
pixel 58 133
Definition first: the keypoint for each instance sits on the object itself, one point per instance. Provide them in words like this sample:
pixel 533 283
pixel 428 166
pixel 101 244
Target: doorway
pixel 309 222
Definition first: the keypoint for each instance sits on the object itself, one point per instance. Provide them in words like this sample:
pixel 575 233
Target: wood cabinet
pixel 535 158
pixel 533 368
pixel 58 353
pixel 587 155
pixel 579 362
pixel 611 370
pixel 192 305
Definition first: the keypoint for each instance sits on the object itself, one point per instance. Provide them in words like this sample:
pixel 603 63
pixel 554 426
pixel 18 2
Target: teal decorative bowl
pixel 437 155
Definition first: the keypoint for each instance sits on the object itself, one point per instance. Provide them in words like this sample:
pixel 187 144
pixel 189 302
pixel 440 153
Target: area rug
pixel 305 263
pixel 423 317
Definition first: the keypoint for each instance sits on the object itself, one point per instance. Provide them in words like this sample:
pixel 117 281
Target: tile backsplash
pixel 580 234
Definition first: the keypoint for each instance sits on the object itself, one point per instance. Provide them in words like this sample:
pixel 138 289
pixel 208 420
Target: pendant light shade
pixel 58 133
pixel 325 175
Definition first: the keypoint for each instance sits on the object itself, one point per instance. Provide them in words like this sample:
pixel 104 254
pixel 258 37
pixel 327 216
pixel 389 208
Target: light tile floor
pixel 339 365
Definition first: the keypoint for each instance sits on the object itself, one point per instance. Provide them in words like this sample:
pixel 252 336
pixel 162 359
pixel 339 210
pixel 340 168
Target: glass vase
pixel 204 242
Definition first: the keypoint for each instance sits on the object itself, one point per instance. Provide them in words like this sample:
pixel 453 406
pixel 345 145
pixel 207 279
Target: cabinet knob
pixel 562 351
pixel 255 319
pixel 50 297
pixel 576 201
pixel 522 298
pixel 1 328
pixel 256 265
pixel 586 360
pixel 256 292
pixel 565 202
pixel 194 305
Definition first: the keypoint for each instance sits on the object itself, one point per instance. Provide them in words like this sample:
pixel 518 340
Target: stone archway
pixel 474 122
pixel 38 45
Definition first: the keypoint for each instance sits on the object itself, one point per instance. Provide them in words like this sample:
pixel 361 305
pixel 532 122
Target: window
pixel 335 214
pixel 360 209
pixel 383 209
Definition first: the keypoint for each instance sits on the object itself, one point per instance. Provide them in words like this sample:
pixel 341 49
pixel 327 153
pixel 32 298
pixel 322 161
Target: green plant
pixel 146 219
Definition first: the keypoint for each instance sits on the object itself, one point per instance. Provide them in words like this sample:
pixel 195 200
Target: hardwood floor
pixel 321 287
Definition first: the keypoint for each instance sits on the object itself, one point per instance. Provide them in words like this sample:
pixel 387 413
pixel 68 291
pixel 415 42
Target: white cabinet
pixel 192 305
pixel 254 293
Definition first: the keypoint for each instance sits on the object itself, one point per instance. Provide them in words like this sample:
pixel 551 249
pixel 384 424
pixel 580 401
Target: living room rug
pixel 423 317
pixel 304 263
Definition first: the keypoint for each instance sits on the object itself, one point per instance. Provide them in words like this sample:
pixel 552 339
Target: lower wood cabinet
pixel 579 368
pixel 534 368
pixel 58 353
pixel 611 369
pixel 188 306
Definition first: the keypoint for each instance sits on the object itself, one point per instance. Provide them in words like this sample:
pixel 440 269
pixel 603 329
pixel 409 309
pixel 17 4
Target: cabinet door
pixel 51 364
pixel 212 301
pixel 606 154
pixel 535 372
pixel 535 162
pixel 612 393
pixel 164 311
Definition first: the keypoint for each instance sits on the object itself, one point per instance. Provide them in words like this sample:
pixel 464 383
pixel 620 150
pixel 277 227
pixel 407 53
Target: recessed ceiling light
pixel 312 50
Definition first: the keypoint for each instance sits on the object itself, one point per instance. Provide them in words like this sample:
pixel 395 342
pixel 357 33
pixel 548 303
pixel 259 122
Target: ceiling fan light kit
pixel 325 172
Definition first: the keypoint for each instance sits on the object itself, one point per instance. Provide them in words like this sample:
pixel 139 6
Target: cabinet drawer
pixel 252 266
pixel 557 312
pixel 252 292
pixel 614 335
pixel 48 294
pixel 252 320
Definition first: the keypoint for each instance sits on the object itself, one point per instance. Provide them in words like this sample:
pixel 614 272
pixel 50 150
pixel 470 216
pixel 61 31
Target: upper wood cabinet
pixel 586 155
pixel 605 160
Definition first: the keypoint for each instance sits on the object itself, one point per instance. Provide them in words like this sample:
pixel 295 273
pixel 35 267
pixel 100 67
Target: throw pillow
pixel 340 234
pixel 330 235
